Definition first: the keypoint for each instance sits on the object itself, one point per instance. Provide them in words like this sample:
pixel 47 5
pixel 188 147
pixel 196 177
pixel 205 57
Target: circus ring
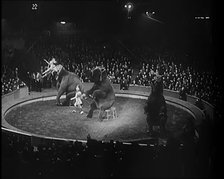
pixel 36 115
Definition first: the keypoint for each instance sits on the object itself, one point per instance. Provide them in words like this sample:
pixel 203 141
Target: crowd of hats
pixel 203 85
pixel 10 80
pixel 50 158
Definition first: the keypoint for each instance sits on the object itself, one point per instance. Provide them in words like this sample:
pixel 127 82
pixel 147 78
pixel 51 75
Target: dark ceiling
pixel 169 10
pixel 177 15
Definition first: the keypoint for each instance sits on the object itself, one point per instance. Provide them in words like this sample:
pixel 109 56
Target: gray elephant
pixel 102 92
pixel 66 82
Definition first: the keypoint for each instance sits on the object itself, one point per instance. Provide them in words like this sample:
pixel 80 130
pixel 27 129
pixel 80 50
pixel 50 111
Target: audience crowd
pixel 10 80
pixel 31 157
pixel 203 85
pixel 80 56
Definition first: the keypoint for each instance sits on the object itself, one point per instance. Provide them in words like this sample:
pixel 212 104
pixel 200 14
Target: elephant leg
pixel 98 94
pixel 150 124
pixel 60 93
pixel 101 114
pixel 93 107
pixel 106 105
pixel 163 125
pixel 66 102
pixel 57 85
pixel 101 100
pixel 68 97
pixel 70 94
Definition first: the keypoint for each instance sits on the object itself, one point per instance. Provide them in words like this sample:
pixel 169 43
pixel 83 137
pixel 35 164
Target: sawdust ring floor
pixel 45 118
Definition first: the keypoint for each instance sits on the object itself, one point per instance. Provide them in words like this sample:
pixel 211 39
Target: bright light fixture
pixel 129 6
pixel 63 22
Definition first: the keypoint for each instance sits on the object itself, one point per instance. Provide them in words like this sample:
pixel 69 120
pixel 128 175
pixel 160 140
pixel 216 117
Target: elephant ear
pixel 99 74
pixel 96 73
pixel 103 74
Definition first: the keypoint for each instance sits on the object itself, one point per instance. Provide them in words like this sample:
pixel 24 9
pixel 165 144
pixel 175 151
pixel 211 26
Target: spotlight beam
pixel 154 19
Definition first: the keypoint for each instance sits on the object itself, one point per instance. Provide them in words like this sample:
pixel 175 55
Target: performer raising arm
pixel 51 65
pixel 78 99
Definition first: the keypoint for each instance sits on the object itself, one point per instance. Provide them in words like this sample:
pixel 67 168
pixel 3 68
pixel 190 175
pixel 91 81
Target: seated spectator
pixel 199 104
pixel 183 94
pixel 123 84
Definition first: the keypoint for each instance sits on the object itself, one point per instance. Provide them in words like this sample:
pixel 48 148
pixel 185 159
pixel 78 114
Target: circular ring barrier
pixel 48 95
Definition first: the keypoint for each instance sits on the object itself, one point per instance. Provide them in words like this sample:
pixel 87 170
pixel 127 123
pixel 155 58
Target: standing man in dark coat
pixel 156 106
pixel 183 94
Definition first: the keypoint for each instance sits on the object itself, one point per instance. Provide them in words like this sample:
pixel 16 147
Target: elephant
pixel 102 92
pixel 155 107
pixel 66 82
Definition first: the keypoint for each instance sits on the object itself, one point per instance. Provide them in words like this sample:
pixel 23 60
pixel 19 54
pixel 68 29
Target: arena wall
pixel 21 95
pixel 16 94
pixel 145 90
pixel 23 92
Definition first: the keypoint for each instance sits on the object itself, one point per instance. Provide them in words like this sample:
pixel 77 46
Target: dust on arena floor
pixel 47 119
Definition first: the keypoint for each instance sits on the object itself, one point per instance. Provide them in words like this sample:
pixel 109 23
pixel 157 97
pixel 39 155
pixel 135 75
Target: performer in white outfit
pixel 51 66
pixel 78 99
